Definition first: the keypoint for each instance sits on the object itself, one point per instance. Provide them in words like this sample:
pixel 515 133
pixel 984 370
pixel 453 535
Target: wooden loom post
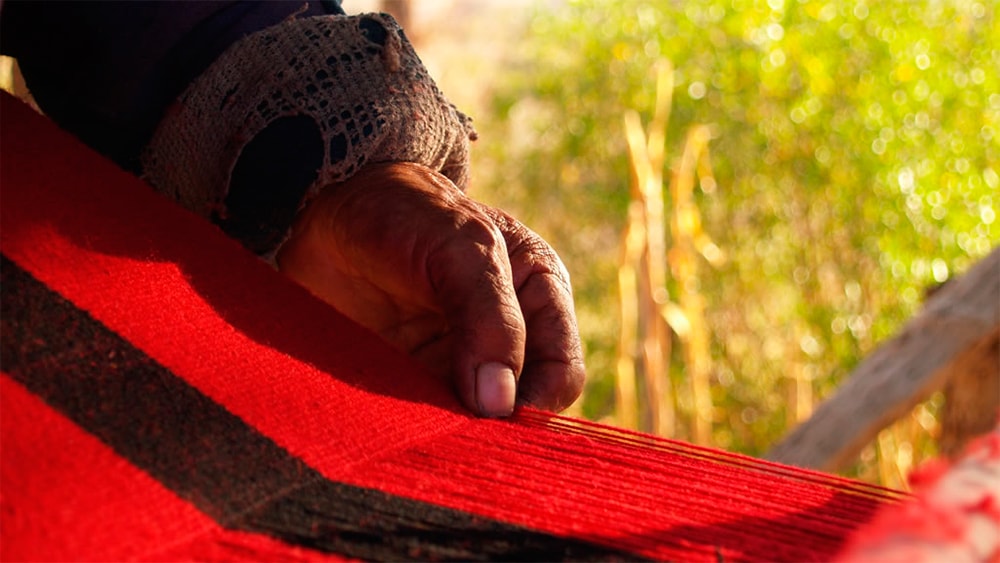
pixel 971 393
pixel 951 344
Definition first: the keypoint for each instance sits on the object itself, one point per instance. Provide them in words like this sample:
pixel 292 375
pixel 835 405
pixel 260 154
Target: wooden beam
pixel 901 373
pixel 972 395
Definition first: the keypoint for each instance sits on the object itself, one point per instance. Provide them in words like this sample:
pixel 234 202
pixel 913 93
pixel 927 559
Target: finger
pixel 554 371
pixel 471 278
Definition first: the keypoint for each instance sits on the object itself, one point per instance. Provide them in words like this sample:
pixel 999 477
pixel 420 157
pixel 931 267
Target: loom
pixel 168 396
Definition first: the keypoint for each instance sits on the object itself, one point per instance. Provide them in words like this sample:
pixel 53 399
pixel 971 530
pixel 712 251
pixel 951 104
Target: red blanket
pixel 166 395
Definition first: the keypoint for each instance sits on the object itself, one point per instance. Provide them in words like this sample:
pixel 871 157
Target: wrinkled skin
pixel 464 288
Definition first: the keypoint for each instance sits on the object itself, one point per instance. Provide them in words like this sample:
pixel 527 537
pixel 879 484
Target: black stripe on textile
pixel 211 458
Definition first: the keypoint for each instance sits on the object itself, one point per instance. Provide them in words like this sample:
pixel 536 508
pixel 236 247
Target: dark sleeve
pixel 106 71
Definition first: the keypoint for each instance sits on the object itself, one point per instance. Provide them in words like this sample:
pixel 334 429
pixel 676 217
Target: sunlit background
pixel 805 170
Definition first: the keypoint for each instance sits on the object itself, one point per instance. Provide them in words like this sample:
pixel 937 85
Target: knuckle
pixel 480 231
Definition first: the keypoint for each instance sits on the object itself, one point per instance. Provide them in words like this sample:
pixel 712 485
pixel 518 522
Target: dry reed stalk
pixel 12 81
pixel 646 311
pixel 657 343
pixel 687 237
pixel 7 74
pixel 803 394
pixel 894 464
pixel 650 339
pixel 642 271
pixel 628 291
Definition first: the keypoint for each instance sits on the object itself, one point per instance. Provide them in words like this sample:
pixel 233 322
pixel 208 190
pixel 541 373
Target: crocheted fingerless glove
pixel 296 107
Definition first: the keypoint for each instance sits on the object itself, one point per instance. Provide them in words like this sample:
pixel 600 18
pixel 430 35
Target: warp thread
pixel 353 413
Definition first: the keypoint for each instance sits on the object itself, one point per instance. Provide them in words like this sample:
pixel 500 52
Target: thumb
pixel 471 278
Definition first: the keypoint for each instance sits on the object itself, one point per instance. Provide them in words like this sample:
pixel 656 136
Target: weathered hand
pixel 464 288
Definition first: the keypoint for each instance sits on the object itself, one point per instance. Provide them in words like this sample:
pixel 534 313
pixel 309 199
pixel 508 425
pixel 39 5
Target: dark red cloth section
pixel 109 510
pixel 206 456
pixel 332 395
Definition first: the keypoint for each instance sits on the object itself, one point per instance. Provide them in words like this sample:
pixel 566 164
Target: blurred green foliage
pixel 855 150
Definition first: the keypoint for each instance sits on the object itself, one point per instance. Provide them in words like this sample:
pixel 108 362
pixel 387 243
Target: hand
pixel 474 295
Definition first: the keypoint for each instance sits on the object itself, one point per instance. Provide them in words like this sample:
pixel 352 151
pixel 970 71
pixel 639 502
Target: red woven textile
pixel 954 515
pixel 168 396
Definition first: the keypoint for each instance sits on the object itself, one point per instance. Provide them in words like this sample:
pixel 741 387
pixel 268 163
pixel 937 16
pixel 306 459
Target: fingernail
pixel 495 389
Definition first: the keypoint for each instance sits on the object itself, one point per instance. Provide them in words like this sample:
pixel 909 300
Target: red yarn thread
pixel 334 396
